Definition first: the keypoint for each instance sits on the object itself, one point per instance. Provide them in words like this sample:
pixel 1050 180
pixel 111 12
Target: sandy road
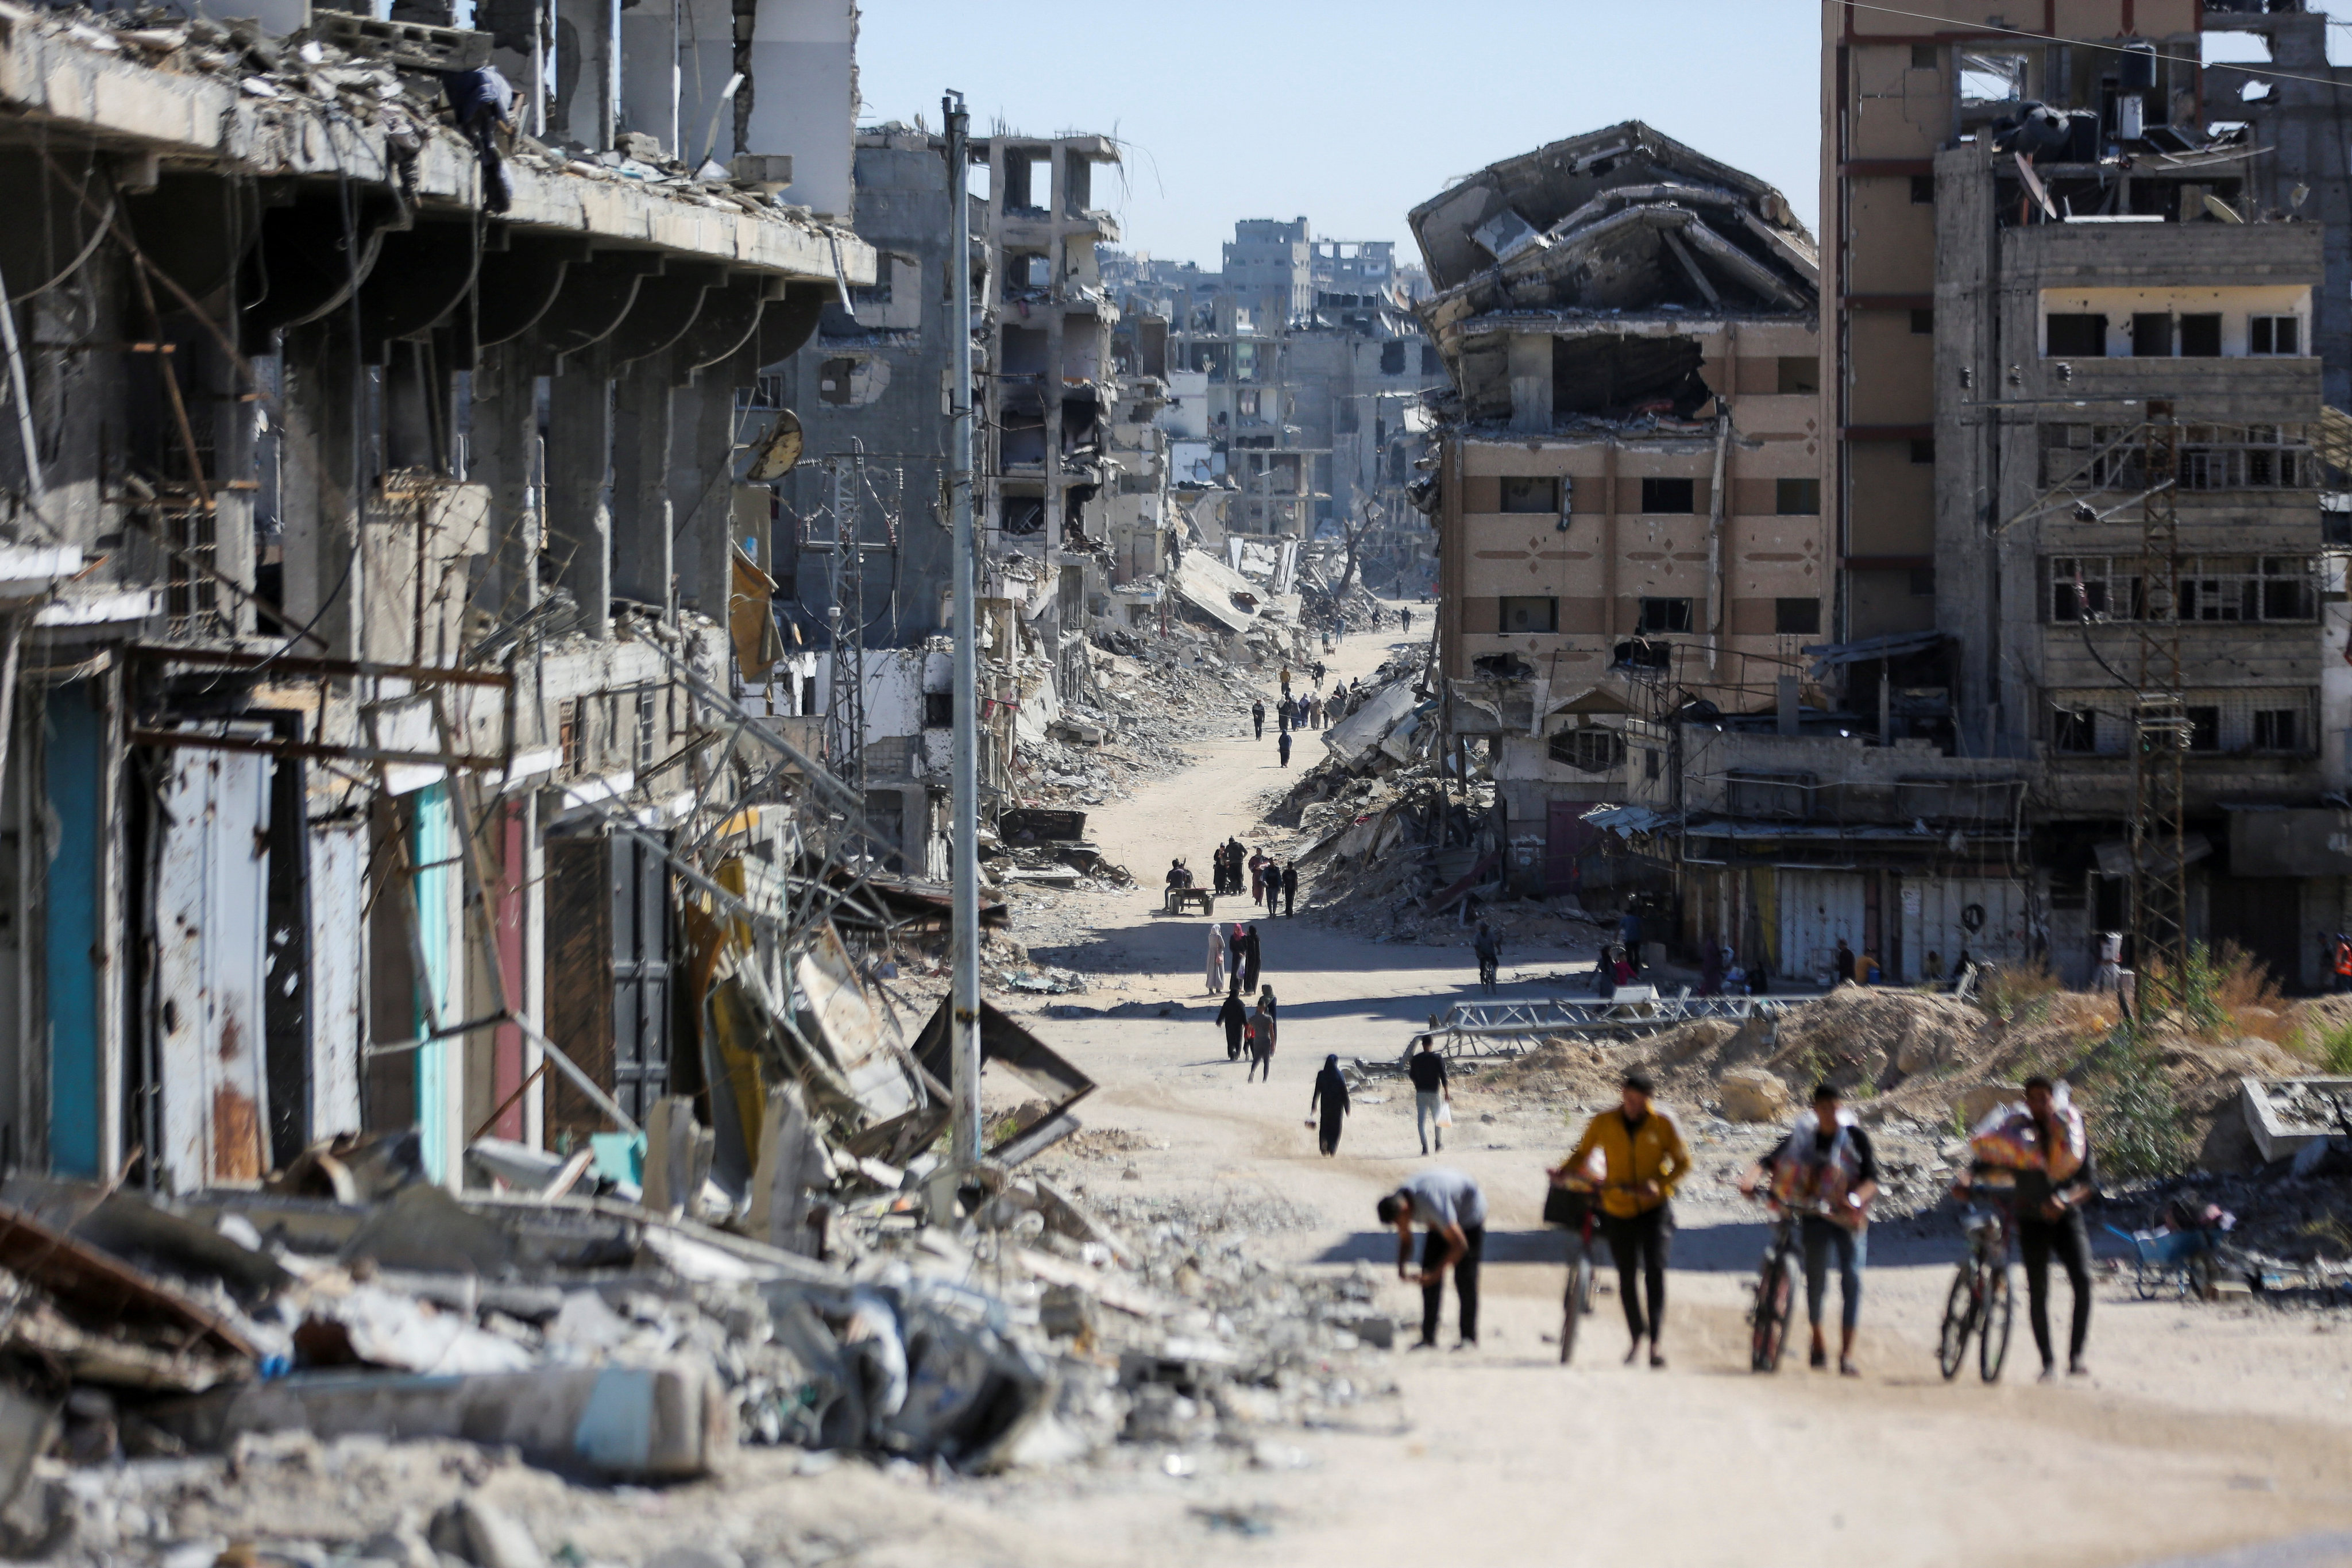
pixel 2205 1429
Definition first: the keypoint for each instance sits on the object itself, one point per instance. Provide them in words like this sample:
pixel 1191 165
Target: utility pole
pixel 2162 732
pixel 963 1027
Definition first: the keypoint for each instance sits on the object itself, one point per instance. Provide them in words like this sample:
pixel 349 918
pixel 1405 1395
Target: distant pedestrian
pixel 1404 619
pixel 1285 680
pixel 1431 1093
pixel 1216 971
pixel 1257 717
pixel 1283 746
pixel 1330 1098
pixel 1257 865
pixel 1237 952
pixel 1252 959
pixel 1290 888
pixel 1235 1019
pixel 1284 713
pixel 1262 1039
pixel 1628 932
pixel 1842 962
pixel 1451 1206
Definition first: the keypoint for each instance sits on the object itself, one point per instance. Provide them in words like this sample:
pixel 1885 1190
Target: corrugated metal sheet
pixel 1989 919
pixel 1817 911
pixel 338 855
pixel 211 930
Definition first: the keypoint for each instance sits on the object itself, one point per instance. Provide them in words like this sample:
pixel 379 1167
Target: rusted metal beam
pixel 198 741
pixel 238 658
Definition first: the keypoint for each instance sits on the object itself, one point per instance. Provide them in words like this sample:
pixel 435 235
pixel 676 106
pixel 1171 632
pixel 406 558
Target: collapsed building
pixel 368 584
pixel 2085 302
pixel 1629 467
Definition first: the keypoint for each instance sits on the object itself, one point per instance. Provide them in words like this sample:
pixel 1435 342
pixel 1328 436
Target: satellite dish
pixel 778 452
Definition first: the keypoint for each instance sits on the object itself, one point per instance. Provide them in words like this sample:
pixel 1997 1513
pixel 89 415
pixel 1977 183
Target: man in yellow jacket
pixel 1643 1158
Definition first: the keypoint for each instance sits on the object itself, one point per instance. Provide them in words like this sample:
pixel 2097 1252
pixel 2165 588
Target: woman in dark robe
pixel 1330 1098
pixel 1235 1016
pixel 1250 959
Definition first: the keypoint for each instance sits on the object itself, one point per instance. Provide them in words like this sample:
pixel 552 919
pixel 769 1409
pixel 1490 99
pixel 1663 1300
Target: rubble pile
pixel 400 79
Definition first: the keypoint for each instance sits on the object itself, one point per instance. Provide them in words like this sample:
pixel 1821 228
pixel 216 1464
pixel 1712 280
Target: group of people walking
pixel 1269 881
pixel 2033 1158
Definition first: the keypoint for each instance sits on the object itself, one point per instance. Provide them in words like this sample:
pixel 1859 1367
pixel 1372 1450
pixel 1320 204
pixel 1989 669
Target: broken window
pixel 1530 613
pixel 2200 336
pixel 1797 617
pixel 2277 730
pixel 1588 751
pixel 1025 514
pixel 2075 336
pixel 1669 495
pixel 1652 763
pixel 571 743
pixel 1923 56
pixel 1797 497
pixel 2274 588
pixel 1432 362
pixel 1392 357
pixel 1988 78
pixel 2074 730
pixel 1664 616
pixel 1923 322
pixel 1640 653
pixel 648 731
pixel 2204 728
pixel 1028 275
pixel 1024 186
pixel 2273 335
pixel 2095 587
pixel 1799 374
pixel 1024 351
pixel 2151 334
pixel 1077 184
pixel 938 710
pixel 1530 494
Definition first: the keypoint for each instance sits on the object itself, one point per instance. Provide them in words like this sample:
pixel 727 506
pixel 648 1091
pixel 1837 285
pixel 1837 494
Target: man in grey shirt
pixel 1449 1206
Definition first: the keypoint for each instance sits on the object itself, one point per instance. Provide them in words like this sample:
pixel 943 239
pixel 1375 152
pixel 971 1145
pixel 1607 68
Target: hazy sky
pixel 1348 111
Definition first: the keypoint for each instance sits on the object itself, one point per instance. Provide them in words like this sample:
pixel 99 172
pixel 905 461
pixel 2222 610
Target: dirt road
pixel 2204 1429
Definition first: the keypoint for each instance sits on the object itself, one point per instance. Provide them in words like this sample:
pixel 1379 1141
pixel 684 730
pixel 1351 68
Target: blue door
pixel 76 751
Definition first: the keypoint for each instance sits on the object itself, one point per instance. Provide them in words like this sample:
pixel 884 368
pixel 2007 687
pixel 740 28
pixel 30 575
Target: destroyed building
pixel 356 723
pixel 1628 466
pixel 2089 305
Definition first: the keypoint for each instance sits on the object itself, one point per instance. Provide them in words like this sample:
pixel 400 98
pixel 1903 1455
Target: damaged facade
pixel 2082 314
pixel 1627 497
pixel 369 579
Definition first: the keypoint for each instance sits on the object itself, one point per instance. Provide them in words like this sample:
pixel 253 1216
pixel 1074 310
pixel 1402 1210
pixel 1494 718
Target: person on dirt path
pixel 1257 717
pixel 1842 963
pixel 1257 864
pixel 1645 1157
pixel 1285 679
pixel 1273 889
pixel 1234 856
pixel 1451 1207
pixel 1179 874
pixel 1236 950
pixel 1283 713
pixel 1282 746
pixel 1330 1098
pixel 1404 619
pixel 1262 1032
pixel 1253 956
pixel 1489 947
pixel 1216 968
pixel 1826 1170
pixel 1235 1016
pixel 1430 1091
pixel 1290 890
pixel 2040 1154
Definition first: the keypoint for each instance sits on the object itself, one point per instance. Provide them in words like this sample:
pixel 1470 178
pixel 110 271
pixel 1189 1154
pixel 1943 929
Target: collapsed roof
pixel 1622 219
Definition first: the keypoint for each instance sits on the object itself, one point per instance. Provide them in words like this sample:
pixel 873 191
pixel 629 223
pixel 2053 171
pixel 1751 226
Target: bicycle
pixel 1576 1303
pixel 1980 1303
pixel 1775 1302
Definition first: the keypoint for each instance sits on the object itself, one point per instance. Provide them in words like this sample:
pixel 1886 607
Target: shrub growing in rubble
pixel 2333 1046
pixel 2137 1122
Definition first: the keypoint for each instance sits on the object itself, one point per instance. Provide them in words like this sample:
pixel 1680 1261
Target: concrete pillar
pixel 702 483
pixel 505 459
pixel 579 459
pixel 316 502
pixel 641 514
pixel 1530 368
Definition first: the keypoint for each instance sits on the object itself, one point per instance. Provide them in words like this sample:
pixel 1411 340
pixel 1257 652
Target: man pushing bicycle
pixel 1826 1172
